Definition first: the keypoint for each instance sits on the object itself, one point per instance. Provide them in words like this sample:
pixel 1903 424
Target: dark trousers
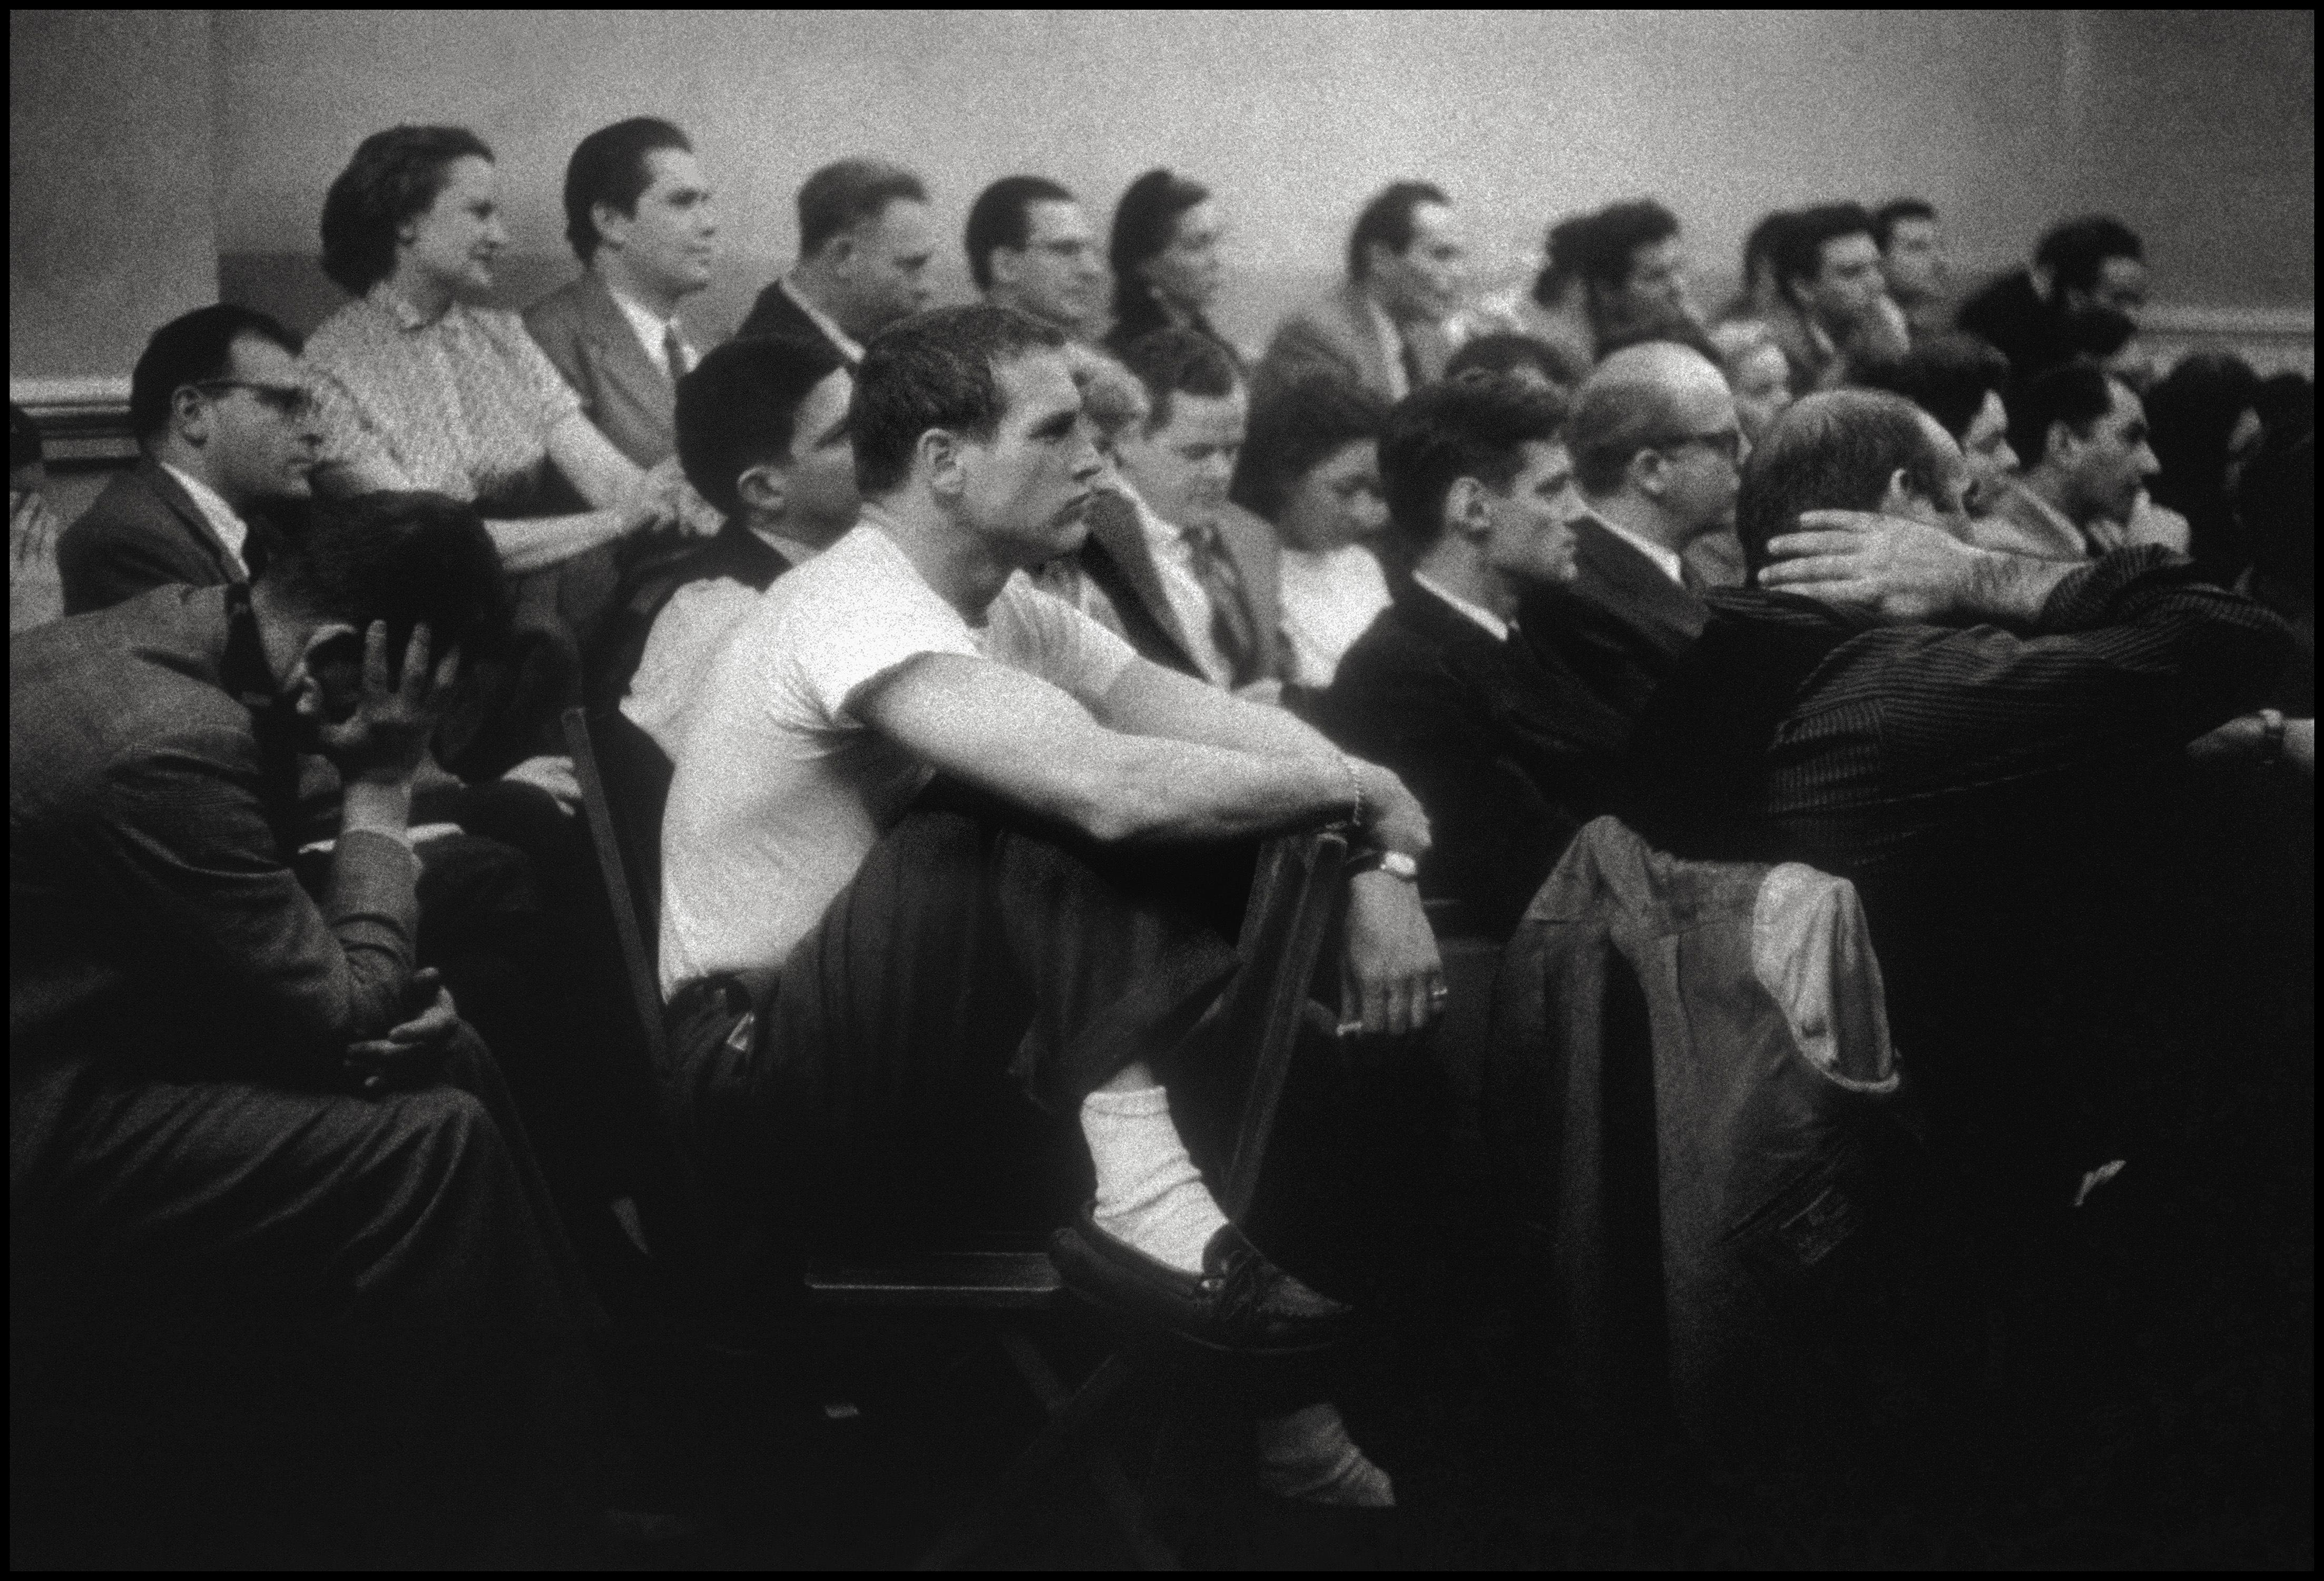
pixel 975 961
pixel 362 1300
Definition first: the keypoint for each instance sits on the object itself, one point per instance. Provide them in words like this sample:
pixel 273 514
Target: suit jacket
pixel 2022 523
pixel 153 914
pixel 1118 563
pixel 1619 627
pixel 1337 334
pixel 1505 756
pixel 144 531
pixel 777 312
pixel 633 401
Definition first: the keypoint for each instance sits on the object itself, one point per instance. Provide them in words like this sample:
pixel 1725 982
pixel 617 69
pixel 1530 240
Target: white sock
pixel 1309 1457
pixel 1149 1195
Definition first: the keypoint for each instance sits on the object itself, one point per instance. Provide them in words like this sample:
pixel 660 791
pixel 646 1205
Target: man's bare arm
pixel 1909 571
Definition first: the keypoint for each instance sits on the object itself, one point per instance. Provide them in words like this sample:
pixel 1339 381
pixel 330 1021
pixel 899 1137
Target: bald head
pixel 1655 442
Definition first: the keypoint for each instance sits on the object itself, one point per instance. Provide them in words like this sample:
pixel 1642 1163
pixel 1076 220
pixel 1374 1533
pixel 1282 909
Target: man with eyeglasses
pixel 224 423
pixel 1656 445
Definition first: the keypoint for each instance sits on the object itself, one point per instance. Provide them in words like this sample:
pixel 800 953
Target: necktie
pixel 673 352
pixel 1232 627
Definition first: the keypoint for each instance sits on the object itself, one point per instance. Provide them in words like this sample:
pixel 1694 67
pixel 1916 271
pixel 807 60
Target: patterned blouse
pixel 463 404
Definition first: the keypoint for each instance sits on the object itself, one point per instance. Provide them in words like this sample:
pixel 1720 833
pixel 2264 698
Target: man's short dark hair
pixel 739 408
pixel 1600 247
pixel 393 176
pixel 1889 214
pixel 1764 241
pixel 840 197
pixel 1475 426
pixel 1799 243
pixel 935 370
pixel 609 167
pixel 2076 393
pixel 401 558
pixel 1387 219
pixel 1295 427
pixel 1171 362
pixel 2076 252
pixel 1002 216
pixel 1505 349
pixel 190 349
pixel 1833 451
pixel 24 439
pixel 1948 376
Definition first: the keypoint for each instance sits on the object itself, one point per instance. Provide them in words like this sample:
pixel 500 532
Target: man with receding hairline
pixel 864 246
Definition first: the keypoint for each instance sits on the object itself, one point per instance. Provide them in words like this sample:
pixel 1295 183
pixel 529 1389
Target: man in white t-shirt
pixel 855 961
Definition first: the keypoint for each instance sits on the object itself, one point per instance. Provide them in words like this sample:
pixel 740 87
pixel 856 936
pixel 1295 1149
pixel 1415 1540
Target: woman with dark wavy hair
pixel 1166 267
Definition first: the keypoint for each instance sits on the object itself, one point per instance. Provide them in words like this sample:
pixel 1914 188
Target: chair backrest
pixel 635 919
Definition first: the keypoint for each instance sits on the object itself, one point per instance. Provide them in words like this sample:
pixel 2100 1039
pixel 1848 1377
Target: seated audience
pixel 1956 379
pixel 1959 732
pixel 917 817
pixel 1189 576
pixel 1032 248
pixel 1501 751
pixel 1759 296
pixel 638 216
pixel 420 387
pixel 1310 468
pixel 1831 302
pixel 2206 427
pixel 224 423
pixel 1166 254
pixel 1384 326
pixel 1913 263
pixel 244 1133
pixel 2081 297
pixel 865 241
pixel 1655 442
pixel 1528 356
pixel 1611 276
pixel 762 435
pixel 35 596
pixel 2081 442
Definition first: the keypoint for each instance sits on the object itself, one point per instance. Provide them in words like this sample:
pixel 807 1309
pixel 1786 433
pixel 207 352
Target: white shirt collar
pixel 1486 618
pixel 1667 559
pixel 649 327
pixel 229 527
pixel 824 321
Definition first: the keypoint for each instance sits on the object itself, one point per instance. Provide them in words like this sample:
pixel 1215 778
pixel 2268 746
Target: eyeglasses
pixel 1725 443
pixel 290 400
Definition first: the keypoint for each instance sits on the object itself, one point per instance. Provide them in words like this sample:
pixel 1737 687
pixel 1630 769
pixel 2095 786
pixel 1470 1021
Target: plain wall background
pixel 2197 127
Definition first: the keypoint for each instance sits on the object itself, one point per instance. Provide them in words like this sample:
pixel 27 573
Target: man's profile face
pixel 1531 533
pixel 1025 491
pixel 1653 291
pixel 1060 276
pixel 1992 460
pixel 264 437
pixel 1914 263
pixel 671 240
pixel 1849 284
pixel 1423 283
pixel 886 270
pixel 2109 465
pixel 820 498
pixel 1183 468
pixel 2121 288
pixel 1704 474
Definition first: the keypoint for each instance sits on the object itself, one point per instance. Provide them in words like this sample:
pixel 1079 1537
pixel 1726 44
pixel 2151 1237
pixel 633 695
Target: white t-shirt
pixel 1330 597
pixel 780 789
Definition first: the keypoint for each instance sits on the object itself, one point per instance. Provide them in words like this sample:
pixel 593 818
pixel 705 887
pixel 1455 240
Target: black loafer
pixel 1241 1304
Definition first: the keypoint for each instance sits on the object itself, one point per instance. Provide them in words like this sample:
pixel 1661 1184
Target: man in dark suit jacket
pixel 864 245
pixel 238 1102
pixel 1383 326
pixel 223 422
pixel 1655 445
pixel 1504 753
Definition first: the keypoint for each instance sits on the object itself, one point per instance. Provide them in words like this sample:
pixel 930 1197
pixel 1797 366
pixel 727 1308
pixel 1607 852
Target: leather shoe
pixel 1241 1304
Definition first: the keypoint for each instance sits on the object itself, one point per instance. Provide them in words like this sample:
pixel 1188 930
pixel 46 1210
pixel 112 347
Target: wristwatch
pixel 2270 737
pixel 1395 863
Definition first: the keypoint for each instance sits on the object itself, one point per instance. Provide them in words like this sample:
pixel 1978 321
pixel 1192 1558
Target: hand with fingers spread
pixel 411 1053
pixel 1907 570
pixel 382 740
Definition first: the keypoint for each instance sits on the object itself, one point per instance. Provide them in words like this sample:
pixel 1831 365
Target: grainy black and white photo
pixel 1274 790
